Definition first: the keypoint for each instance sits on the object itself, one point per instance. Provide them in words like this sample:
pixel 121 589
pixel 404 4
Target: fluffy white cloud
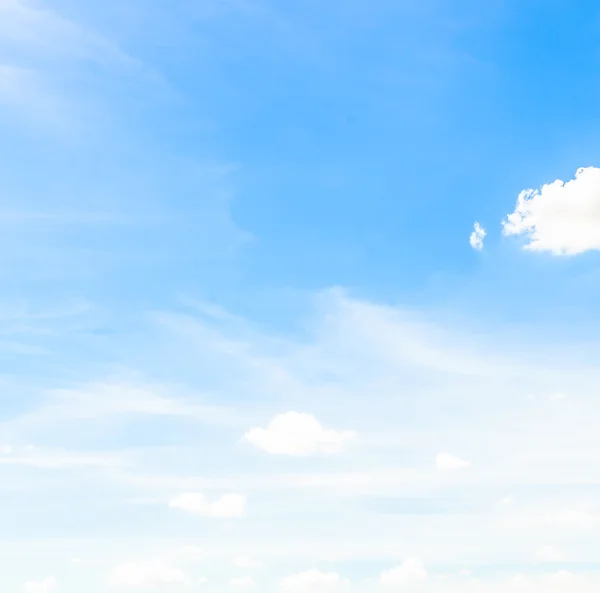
pixel 446 461
pixel 573 518
pixel 312 581
pixel 298 434
pixel 410 572
pixel 146 575
pixel 245 563
pixel 229 506
pixel 44 586
pixel 244 582
pixel 562 218
pixel 477 237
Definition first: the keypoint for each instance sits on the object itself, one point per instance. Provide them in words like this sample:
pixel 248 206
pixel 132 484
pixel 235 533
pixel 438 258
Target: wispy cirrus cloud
pixel 56 459
pixel 112 399
pixel 40 31
pixel 42 51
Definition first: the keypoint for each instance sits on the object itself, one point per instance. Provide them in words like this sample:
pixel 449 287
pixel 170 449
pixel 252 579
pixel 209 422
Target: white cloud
pixel 245 563
pixel 192 553
pixel 229 506
pixel 507 501
pixel 244 582
pixel 562 577
pixel 557 397
pixel 44 586
pixel 298 434
pixel 34 457
pixel 446 461
pixel 312 581
pixel 519 582
pixel 477 237
pixel 410 572
pixel 105 400
pixel 573 518
pixel 561 218
pixel 556 582
pixel 42 41
pixel 146 575
pixel 41 29
pixel 548 554
pixel 23 91
pixel 316 529
pixel 85 561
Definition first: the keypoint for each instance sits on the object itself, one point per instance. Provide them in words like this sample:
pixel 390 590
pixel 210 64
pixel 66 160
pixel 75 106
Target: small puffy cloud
pixel 573 519
pixel 142 575
pixel 560 218
pixel 410 572
pixel 312 581
pixel 446 461
pixel 298 434
pixel 229 506
pixel 46 585
pixel 244 582
pixel 245 563
pixel 477 237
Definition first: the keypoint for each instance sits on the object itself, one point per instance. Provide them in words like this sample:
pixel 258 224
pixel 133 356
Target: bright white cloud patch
pixel 562 218
pixel 229 506
pixel 192 553
pixel 507 501
pixel 573 519
pixel 44 586
pixel 557 397
pixel 446 461
pixel 312 581
pixel 297 434
pixel 410 572
pixel 477 237
pixel 548 554
pixel 244 582
pixel 245 563
pixel 143 575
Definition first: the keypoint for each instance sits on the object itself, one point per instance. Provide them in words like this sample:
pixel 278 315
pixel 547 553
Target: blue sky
pixel 248 339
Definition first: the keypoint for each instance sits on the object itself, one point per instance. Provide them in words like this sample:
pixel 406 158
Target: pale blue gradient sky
pixel 216 212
